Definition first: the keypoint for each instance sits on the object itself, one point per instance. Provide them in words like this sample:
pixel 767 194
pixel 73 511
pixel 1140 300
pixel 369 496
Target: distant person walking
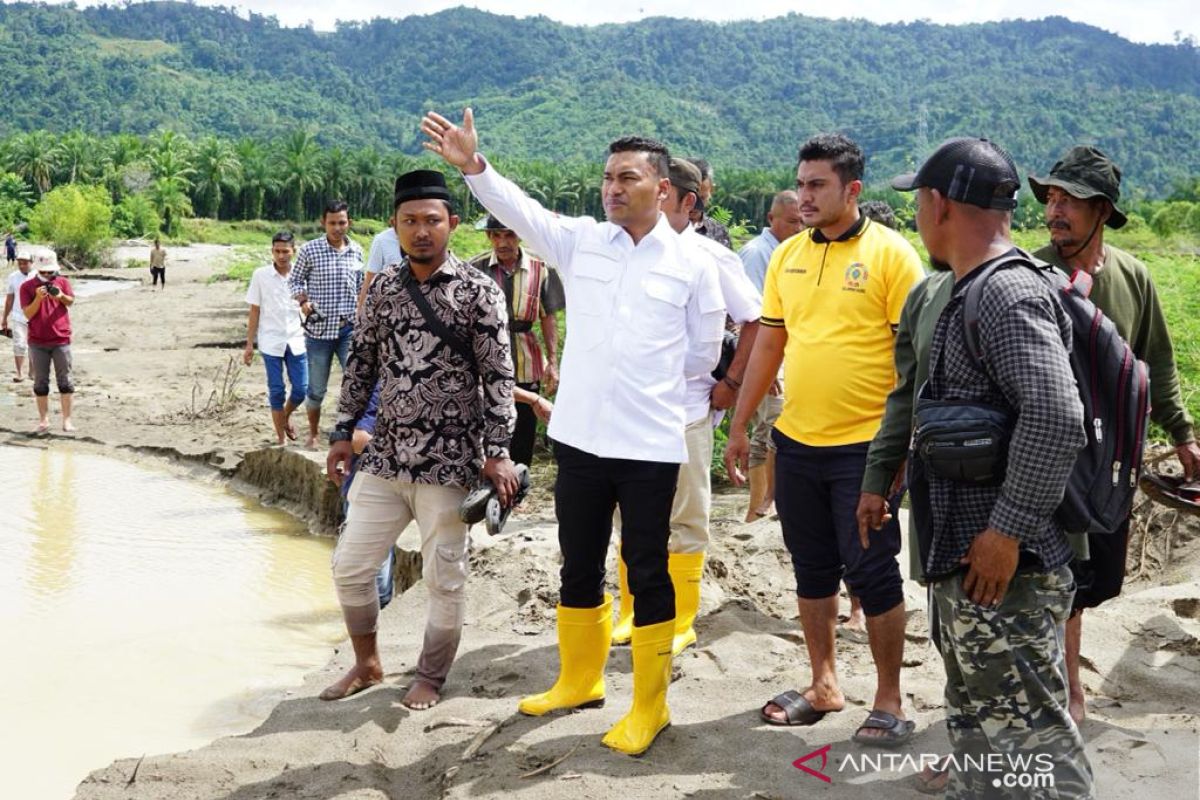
pixel 10 247
pixel 325 281
pixel 275 323
pixel 158 265
pixel 14 323
pixel 45 301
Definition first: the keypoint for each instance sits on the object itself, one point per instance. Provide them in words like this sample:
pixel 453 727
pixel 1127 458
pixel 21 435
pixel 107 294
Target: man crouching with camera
pixel 45 301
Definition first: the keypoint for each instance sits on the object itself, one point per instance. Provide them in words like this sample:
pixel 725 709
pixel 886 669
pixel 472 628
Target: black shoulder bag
pixel 439 328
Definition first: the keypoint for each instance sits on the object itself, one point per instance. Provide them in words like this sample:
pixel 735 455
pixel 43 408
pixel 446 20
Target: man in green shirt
pixel 1081 195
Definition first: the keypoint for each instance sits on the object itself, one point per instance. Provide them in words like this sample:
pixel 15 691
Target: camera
pixel 314 314
pixel 53 290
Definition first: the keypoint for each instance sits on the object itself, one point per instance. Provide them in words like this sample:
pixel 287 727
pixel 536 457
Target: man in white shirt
pixel 644 314
pixel 15 325
pixel 275 322
pixel 385 251
pixel 705 394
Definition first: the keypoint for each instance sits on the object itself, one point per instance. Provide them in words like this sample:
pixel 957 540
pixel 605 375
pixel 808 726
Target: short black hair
pixel 848 160
pixel 656 152
pixel 287 237
pixel 335 207
pixel 704 167
pixel 879 211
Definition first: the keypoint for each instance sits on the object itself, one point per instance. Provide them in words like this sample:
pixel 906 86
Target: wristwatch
pixel 337 435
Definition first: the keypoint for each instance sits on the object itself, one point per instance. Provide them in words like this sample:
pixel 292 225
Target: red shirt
pixel 51 325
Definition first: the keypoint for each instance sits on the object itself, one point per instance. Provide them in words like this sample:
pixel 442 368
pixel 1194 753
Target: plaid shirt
pixel 1025 337
pixel 331 279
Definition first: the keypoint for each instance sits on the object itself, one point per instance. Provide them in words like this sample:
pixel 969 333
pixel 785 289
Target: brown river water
pixel 142 612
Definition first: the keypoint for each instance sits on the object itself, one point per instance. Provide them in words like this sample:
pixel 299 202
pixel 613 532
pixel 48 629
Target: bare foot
pixel 421 696
pixel 42 427
pixel 354 681
pixel 310 442
pixel 68 426
pixel 826 701
pixel 290 430
pixel 1077 706
pixel 933 780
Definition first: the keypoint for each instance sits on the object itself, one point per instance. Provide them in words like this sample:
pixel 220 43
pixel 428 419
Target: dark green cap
pixel 1084 172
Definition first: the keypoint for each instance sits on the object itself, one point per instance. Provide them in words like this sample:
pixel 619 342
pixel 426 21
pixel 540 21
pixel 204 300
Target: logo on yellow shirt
pixel 856 278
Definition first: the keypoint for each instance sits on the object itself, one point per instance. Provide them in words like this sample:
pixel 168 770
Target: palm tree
pixel 300 170
pixel 34 157
pixel 257 177
pixel 217 167
pixel 170 198
pixel 79 157
pixel 369 183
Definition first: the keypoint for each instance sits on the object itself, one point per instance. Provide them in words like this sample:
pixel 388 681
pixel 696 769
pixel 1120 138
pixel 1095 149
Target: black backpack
pixel 1114 387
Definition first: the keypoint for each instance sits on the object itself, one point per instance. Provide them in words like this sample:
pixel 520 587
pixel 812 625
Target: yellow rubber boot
pixel 584 636
pixel 623 630
pixel 685 569
pixel 634 734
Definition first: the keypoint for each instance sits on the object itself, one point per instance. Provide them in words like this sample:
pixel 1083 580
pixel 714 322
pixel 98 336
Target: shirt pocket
pixel 589 308
pixel 660 323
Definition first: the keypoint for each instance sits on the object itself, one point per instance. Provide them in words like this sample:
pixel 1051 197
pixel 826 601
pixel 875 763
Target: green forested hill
pixel 744 94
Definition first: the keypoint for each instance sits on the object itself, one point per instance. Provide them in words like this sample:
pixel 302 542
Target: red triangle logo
pixel 824 754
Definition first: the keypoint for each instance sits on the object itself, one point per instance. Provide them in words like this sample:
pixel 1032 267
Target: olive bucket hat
pixel 1084 172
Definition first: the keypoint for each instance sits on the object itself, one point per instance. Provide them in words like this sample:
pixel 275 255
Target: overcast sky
pixel 1143 21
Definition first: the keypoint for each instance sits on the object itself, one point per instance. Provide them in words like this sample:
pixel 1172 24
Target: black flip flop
pixel 896 731
pixel 796 710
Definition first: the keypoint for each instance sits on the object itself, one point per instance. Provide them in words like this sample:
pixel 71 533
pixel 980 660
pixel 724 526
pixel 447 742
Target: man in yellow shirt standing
pixel 831 303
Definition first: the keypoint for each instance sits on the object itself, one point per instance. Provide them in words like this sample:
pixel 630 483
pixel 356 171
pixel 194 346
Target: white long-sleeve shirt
pixel 639 319
pixel 743 304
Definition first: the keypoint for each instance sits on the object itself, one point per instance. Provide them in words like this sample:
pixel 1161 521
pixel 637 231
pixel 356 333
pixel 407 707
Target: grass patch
pixel 133 48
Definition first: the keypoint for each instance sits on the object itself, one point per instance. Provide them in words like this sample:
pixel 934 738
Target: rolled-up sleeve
pixel 1025 354
pixel 494 363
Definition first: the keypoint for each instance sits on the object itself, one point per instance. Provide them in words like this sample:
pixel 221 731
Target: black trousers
pixel 1100 577
pixel 520 449
pixel 587 491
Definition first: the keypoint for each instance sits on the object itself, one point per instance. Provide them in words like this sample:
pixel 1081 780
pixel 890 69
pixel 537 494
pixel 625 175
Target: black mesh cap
pixel 974 171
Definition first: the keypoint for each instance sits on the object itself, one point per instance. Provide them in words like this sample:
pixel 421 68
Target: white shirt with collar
pixel 640 318
pixel 278 313
pixel 743 304
pixel 385 251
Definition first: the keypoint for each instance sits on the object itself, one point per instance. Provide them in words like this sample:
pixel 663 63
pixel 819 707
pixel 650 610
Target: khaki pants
pixel 760 428
pixel 693 493
pixel 379 512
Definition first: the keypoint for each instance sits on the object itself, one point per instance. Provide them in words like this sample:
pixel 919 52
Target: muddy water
pixel 142 613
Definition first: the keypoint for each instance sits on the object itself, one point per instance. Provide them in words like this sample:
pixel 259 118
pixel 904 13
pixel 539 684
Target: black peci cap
pixel 421 184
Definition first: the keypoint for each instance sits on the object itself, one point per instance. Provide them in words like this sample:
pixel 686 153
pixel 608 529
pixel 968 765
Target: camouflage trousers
pixel 1006 691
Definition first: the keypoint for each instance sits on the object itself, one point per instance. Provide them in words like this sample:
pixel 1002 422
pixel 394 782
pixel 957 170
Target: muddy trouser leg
pixel 1006 692
pixel 378 512
pixel 444 555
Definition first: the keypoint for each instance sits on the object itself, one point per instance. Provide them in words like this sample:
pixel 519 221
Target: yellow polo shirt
pixel 840 302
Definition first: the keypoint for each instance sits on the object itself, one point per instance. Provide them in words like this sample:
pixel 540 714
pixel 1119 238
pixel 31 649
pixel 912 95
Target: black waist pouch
pixel 962 441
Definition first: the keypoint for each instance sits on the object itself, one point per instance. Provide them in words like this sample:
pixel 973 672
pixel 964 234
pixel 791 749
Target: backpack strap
pixel 1018 258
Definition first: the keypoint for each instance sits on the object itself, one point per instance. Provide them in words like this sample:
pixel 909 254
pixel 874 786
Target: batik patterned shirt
pixel 439 415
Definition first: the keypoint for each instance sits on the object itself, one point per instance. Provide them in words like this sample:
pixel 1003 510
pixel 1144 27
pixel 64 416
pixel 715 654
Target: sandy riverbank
pixel 148 364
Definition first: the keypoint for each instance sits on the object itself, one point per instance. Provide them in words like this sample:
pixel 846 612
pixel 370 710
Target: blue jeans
pixel 320 359
pixel 297 372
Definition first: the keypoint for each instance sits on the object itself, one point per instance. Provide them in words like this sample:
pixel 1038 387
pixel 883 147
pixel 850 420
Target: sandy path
pixel 138 363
